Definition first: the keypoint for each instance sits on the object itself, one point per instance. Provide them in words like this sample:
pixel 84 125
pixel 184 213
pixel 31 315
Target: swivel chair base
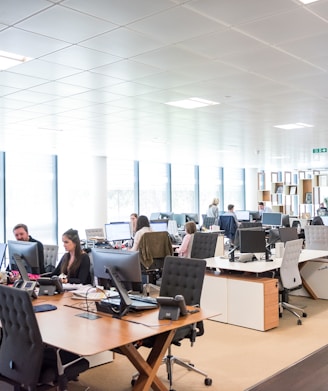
pixel 297 311
pixel 169 360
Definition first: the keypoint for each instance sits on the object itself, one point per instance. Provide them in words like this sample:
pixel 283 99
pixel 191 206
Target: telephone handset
pixel 28 286
pixel 172 307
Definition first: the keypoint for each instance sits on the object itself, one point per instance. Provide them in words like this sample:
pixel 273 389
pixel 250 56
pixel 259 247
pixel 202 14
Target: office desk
pixel 64 329
pixel 248 300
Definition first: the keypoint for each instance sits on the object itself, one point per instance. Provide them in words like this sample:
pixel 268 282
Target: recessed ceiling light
pixel 308 1
pixel 298 125
pixel 192 103
pixel 9 60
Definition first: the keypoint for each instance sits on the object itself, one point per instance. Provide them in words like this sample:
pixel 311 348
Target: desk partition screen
pixel 118 231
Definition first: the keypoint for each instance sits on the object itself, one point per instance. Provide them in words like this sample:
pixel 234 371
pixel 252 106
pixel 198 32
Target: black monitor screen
pixel 192 217
pixel 274 219
pixel 242 228
pixel 242 215
pixel 254 215
pixel 288 233
pixel 285 221
pixel 118 231
pixel 124 263
pixel 27 251
pixel 252 241
pixel 158 225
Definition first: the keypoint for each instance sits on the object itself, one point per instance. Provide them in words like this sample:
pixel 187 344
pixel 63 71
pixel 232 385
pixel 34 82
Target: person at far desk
pixel 143 226
pixel 21 233
pixel 74 266
pixel 190 229
pixel 263 209
pixel 231 212
pixel 133 224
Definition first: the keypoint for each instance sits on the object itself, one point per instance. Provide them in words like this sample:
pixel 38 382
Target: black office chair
pixel 204 245
pixel 25 362
pixel 229 225
pixel 153 248
pixel 208 222
pixel 183 276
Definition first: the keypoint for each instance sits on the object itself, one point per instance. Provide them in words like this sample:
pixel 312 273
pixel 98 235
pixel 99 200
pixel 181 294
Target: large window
pixel 154 188
pixel 211 186
pixel 184 188
pixel 31 195
pixel 234 188
pixel 122 195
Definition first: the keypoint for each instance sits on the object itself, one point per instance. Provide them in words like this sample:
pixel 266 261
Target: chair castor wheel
pixel 304 315
pixel 208 381
pixel 299 322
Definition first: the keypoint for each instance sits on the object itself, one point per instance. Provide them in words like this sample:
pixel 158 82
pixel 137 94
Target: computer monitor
pixel 273 219
pixel 118 231
pixel 159 225
pixel 242 215
pixel 155 216
pixel 254 215
pixel 242 228
pixel 252 241
pixel 285 221
pixel 192 217
pixel 180 218
pixel 28 252
pixel 288 233
pixel 166 215
pixel 123 263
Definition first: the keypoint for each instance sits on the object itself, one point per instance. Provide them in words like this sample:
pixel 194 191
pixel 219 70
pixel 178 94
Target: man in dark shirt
pixel 21 233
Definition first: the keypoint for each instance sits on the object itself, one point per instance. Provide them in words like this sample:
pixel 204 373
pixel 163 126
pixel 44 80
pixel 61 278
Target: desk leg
pixel 148 369
pixel 306 285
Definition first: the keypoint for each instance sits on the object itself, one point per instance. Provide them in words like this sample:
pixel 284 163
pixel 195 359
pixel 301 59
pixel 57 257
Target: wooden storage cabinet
pixel 250 302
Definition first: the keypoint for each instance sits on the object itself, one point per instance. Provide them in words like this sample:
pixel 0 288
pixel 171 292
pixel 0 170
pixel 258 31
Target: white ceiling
pixel 102 71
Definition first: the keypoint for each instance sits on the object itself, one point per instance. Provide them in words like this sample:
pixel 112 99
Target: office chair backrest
pixel 289 271
pixel 21 349
pixel 316 237
pixel 208 221
pixel 50 252
pixel 229 225
pixel 154 245
pixel 183 276
pixel 204 245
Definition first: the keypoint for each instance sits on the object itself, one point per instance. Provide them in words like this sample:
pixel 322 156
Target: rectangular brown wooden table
pixel 63 328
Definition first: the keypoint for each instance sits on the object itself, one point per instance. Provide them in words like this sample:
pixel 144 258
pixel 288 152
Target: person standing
pixel 263 209
pixel 133 224
pixel 21 233
pixel 213 210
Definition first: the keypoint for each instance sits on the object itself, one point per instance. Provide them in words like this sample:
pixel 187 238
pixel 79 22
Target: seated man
pixel 21 233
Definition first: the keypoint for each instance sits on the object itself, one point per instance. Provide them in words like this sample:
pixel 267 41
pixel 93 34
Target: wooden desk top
pixel 64 329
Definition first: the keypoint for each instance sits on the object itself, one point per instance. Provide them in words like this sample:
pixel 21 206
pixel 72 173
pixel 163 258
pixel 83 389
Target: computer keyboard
pixel 145 299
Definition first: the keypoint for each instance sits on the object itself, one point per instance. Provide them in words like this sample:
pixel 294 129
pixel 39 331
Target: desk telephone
pixel 172 307
pixel 28 286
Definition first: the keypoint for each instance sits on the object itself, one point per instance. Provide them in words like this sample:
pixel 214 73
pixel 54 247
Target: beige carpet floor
pixel 234 357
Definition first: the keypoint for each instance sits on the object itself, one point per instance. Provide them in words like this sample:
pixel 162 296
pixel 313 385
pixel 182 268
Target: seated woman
pixel 142 227
pixel 190 229
pixel 74 266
